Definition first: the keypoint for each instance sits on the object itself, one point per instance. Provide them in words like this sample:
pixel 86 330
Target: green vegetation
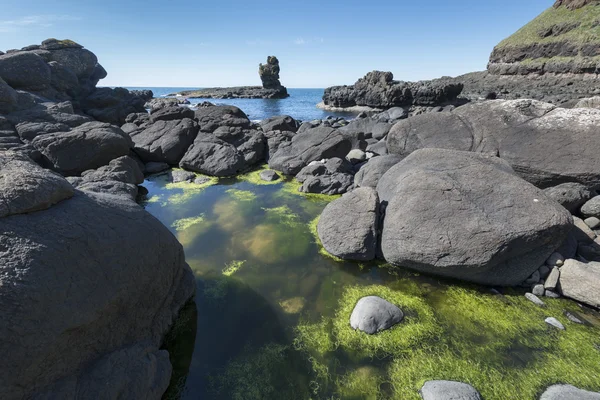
pixel 189 229
pixel 586 33
pixel 242 195
pixel 233 267
pixel 291 187
pixel 187 190
pixel 499 344
pixel 185 223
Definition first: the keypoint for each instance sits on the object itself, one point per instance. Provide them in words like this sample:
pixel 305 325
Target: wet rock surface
pixel 373 314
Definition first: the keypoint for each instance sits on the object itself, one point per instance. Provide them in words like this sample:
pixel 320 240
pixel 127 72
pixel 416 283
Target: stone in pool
pixel 568 392
pixel 373 314
pixel 269 175
pixel 448 390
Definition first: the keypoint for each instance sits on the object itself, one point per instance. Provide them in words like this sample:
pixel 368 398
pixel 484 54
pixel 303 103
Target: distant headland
pixel 271 86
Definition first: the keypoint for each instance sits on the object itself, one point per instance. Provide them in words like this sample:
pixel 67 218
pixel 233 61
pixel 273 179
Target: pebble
pixel 552 294
pixel 555 323
pixel 573 318
pixel 555 260
pixel 552 280
pixel 538 290
pixel 534 299
pixel 592 222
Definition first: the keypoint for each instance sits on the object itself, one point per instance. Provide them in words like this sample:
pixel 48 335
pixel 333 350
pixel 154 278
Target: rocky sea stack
pixel 271 86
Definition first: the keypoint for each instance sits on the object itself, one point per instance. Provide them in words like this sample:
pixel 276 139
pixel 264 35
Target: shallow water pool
pixel 271 315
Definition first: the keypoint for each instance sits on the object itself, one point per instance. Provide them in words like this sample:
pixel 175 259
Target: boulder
pixel 448 390
pixel 568 392
pixel 590 102
pixel 25 187
pixel 581 282
pixel 279 123
pixel 334 176
pixel 348 226
pixel 25 70
pixel 8 98
pixel 121 176
pixel 570 195
pixel 211 156
pixel 275 139
pixel 165 141
pixel 81 311
pixel 112 105
pixel 212 117
pixel 311 145
pixel 591 208
pixel 88 146
pixel 467 216
pixel 373 170
pixel 544 144
pixel 372 314
pixel 269 175
pixel 171 113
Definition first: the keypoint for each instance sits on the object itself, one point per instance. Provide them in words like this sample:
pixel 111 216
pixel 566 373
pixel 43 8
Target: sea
pixel 301 105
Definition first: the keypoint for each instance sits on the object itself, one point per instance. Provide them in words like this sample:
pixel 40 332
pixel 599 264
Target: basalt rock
pixel 165 141
pixel 269 73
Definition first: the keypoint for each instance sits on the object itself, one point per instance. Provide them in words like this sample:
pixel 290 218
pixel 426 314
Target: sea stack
pixel 269 73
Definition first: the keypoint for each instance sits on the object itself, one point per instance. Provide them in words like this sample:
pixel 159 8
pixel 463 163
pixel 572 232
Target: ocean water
pixel 270 319
pixel 302 104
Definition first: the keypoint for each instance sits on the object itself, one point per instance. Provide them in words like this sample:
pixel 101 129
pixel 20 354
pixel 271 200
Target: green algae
pixel 187 190
pixel 188 230
pixel 312 226
pixel 242 195
pixel 254 178
pixel 233 267
pixel 292 187
pixel 185 223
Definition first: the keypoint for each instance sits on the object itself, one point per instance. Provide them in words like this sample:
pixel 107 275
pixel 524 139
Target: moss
pixel 153 199
pixel 586 33
pixel 312 226
pixel 265 373
pixel 233 267
pixel 184 223
pixel 362 383
pixel 187 190
pixel 293 306
pixel 189 229
pixel 242 195
pixel 254 178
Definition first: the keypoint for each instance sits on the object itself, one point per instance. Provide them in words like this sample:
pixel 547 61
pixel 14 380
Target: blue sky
pixel 319 43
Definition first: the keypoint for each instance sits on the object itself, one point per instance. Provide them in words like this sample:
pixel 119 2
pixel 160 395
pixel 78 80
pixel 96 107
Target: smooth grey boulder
pixel 356 156
pixel 580 282
pixel 568 392
pixel 26 187
pixel 373 170
pixel 211 156
pixel 88 146
pixel 279 123
pixel 570 195
pixel 165 141
pixel 181 176
pixel 107 278
pixel 544 144
pixel 8 97
pixel 372 314
pixel 311 145
pixel 269 175
pixel 123 169
pixel 171 113
pixel 448 390
pixel 467 216
pixel 348 225
pixel 591 208
pixel 25 70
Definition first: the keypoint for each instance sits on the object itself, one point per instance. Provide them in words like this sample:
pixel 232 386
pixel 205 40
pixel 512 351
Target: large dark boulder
pixel 120 177
pixel 348 226
pixel 544 144
pixel 334 176
pixel 25 70
pixel 211 156
pixel 88 146
pixel 279 123
pixel 467 216
pixel 165 141
pixel 311 145
pixel 570 195
pixel 8 97
pixel 112 105
pixel 89 289
pixel 171 113
pixel 374 169
pixel 212 117
pixel 25 187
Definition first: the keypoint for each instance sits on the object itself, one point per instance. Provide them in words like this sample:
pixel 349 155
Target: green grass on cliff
pixel 585 33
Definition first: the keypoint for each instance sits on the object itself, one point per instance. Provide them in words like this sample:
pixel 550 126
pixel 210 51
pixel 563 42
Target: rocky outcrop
pixel 89 289
pixel 467 216
pixel 523 132
pixel 164 141
pixel 310 145
pixel 269 73
pixel 558 41
pixel 112 105
pixel 378 89
pixel 348 226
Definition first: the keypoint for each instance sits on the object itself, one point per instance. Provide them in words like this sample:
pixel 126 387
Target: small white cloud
pixel 300 41
pixel 42 21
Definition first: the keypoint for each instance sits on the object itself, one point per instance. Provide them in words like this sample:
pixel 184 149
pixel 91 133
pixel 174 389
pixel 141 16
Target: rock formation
pixel 269 73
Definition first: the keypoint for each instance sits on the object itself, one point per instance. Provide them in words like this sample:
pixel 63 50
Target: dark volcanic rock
pixel 378 89
pixel 279 123
pixel 581 282
pixel 373 314
pixel 211 156
pixel 348 226
pixel 544 144
pixel 161 102
pixel 25 187
pixel 8 98
pixel 171 113
pixel 112 105
pixel 311 145
pixel 121 176
pixel 90 288
pixel 165 141
pixel 335 176
pixel 570 195
pixel 25 70
pixel 467 216
pixel 269 73
pixel 88 146
pixel 373 170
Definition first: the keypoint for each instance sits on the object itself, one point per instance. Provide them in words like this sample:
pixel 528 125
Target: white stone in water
pixel 555 260
pixel 534 299
pixel 555 323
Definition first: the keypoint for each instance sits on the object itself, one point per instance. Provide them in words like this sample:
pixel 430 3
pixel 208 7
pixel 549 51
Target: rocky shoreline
pixel 496 192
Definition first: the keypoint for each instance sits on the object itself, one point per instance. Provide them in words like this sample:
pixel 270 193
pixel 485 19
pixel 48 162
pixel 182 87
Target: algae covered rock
pixel 373 314
pixel 467 216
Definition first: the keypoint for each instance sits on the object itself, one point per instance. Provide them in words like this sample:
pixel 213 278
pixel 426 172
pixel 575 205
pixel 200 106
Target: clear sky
pixel 319 43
